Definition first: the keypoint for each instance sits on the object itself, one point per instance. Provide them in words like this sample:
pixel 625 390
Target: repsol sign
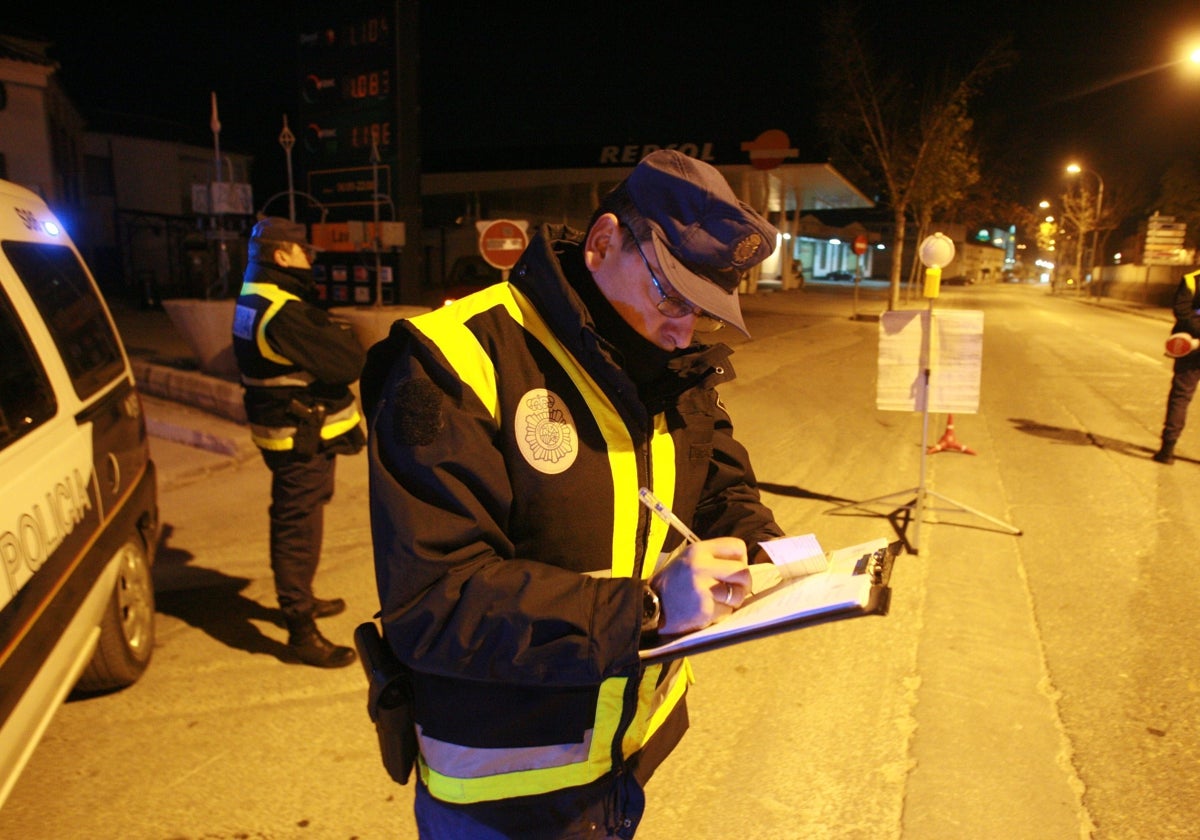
pixel 631 154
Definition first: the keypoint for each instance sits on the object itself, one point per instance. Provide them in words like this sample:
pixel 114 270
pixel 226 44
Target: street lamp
pixel 1075 169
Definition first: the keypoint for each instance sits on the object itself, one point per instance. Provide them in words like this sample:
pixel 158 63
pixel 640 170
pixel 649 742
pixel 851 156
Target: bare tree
pixel 1124 196
pixel 1079 212
pixel 1180 197
pixel 952 168
pixel 919 149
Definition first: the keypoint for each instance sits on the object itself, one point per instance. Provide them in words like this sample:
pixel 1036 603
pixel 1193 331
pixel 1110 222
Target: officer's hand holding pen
pixel 704 583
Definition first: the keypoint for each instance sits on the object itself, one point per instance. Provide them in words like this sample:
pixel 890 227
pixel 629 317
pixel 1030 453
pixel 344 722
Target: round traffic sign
pixel 936 250
pixel 860 244
pixel 501 242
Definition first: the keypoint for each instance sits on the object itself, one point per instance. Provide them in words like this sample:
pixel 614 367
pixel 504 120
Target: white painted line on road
pixel 1137 354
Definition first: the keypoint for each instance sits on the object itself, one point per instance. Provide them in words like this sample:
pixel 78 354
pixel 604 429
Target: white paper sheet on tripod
pixel 955 347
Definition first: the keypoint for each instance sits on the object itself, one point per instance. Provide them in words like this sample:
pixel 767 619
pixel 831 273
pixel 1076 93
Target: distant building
pixel 569 188
pixel 124 193
pixel 148 228
pixel 40 129
pixel 135 195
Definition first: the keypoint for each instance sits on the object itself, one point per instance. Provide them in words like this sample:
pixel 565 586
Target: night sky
pixel 544 74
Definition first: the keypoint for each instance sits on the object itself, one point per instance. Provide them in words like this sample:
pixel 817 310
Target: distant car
pixel 78 492
pixel 958 280
pixel 840 275
pixel 468 274
pixel 439 296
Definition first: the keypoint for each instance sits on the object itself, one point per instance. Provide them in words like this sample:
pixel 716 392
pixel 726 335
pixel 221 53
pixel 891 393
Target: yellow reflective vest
pixel 296 364
pixel 507 447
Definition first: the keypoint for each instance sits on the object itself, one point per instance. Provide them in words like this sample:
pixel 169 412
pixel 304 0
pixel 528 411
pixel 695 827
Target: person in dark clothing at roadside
pixel 1187 366
pixel 518 572
pixel 297 365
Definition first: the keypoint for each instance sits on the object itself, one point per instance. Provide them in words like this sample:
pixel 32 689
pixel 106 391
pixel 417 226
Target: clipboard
pixel 857 583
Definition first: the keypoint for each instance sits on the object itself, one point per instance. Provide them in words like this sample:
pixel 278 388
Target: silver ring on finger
pixel 728 599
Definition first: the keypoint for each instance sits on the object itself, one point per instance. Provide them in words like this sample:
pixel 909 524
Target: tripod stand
pixel 920 494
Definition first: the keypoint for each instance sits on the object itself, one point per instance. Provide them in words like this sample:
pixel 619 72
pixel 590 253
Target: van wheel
pixel 127 631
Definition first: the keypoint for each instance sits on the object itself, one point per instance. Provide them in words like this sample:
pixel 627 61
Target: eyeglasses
pixel 677 307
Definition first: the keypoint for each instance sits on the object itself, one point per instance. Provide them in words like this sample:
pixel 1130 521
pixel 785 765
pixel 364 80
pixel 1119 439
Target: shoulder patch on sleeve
pixel 417 412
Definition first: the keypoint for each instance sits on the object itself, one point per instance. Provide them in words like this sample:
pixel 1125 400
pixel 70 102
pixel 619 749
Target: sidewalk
pixel 189 444
pixel 196 422
pixel 1133 307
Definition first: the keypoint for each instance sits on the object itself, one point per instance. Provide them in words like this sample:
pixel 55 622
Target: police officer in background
pixel 1186 374
pixel 297 365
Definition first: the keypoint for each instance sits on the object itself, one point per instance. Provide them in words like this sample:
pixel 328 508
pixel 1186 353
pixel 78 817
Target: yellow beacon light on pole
pixel 933 281
pixel 936 252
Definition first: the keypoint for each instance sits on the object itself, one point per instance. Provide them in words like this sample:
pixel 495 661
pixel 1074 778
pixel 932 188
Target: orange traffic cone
pixel 949 442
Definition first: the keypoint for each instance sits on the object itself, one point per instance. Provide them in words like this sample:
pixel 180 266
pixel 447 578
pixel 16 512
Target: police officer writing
pixel 297 365
pixel 509 436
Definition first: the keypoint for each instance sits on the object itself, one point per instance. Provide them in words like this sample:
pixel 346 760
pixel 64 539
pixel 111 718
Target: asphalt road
pixel 1042 685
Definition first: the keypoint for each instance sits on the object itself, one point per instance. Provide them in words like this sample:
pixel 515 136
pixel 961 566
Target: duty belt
pixel 280 438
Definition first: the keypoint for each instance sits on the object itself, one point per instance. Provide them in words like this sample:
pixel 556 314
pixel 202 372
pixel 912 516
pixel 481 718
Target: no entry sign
pixel 501 242
pixel 769 149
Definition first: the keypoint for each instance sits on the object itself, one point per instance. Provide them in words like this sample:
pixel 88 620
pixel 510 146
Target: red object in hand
pixel 1180 344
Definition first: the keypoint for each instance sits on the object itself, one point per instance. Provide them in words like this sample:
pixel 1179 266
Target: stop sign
pixel 860 244
pixel 501 242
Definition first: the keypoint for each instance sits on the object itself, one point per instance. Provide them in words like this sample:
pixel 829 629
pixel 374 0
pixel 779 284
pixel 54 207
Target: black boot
pixel 1165 455
pixel 324 609
pixel 306 641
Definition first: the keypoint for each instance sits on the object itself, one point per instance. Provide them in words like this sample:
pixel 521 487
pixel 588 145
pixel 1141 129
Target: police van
pixel 78 493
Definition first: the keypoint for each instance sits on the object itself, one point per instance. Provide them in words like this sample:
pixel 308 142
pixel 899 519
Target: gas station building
pixel 564 187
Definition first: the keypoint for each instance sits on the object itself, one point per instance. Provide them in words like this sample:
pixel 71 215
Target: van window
pixel 26 397
pixel 73 313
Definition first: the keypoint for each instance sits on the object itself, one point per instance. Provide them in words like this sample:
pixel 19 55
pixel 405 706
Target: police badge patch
pixel 546 432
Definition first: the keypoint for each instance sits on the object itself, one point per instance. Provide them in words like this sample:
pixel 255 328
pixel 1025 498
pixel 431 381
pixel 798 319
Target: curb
pixel 197 410
pixel 188 436
pixel 1142 310
pixel 217 396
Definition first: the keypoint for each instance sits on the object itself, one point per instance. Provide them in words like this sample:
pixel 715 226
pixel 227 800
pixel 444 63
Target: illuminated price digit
pixel 369 31
pixel 361 136
pixel 373 84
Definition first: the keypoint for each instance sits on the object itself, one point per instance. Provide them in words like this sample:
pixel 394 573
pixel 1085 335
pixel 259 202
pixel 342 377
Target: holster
pixel 389 701
pixel 309 421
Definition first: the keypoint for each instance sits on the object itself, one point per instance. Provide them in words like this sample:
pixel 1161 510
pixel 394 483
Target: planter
pixel 207 328
pixel 372 324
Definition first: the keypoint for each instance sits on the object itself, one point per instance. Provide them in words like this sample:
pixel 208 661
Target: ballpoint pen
pixel 666 515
